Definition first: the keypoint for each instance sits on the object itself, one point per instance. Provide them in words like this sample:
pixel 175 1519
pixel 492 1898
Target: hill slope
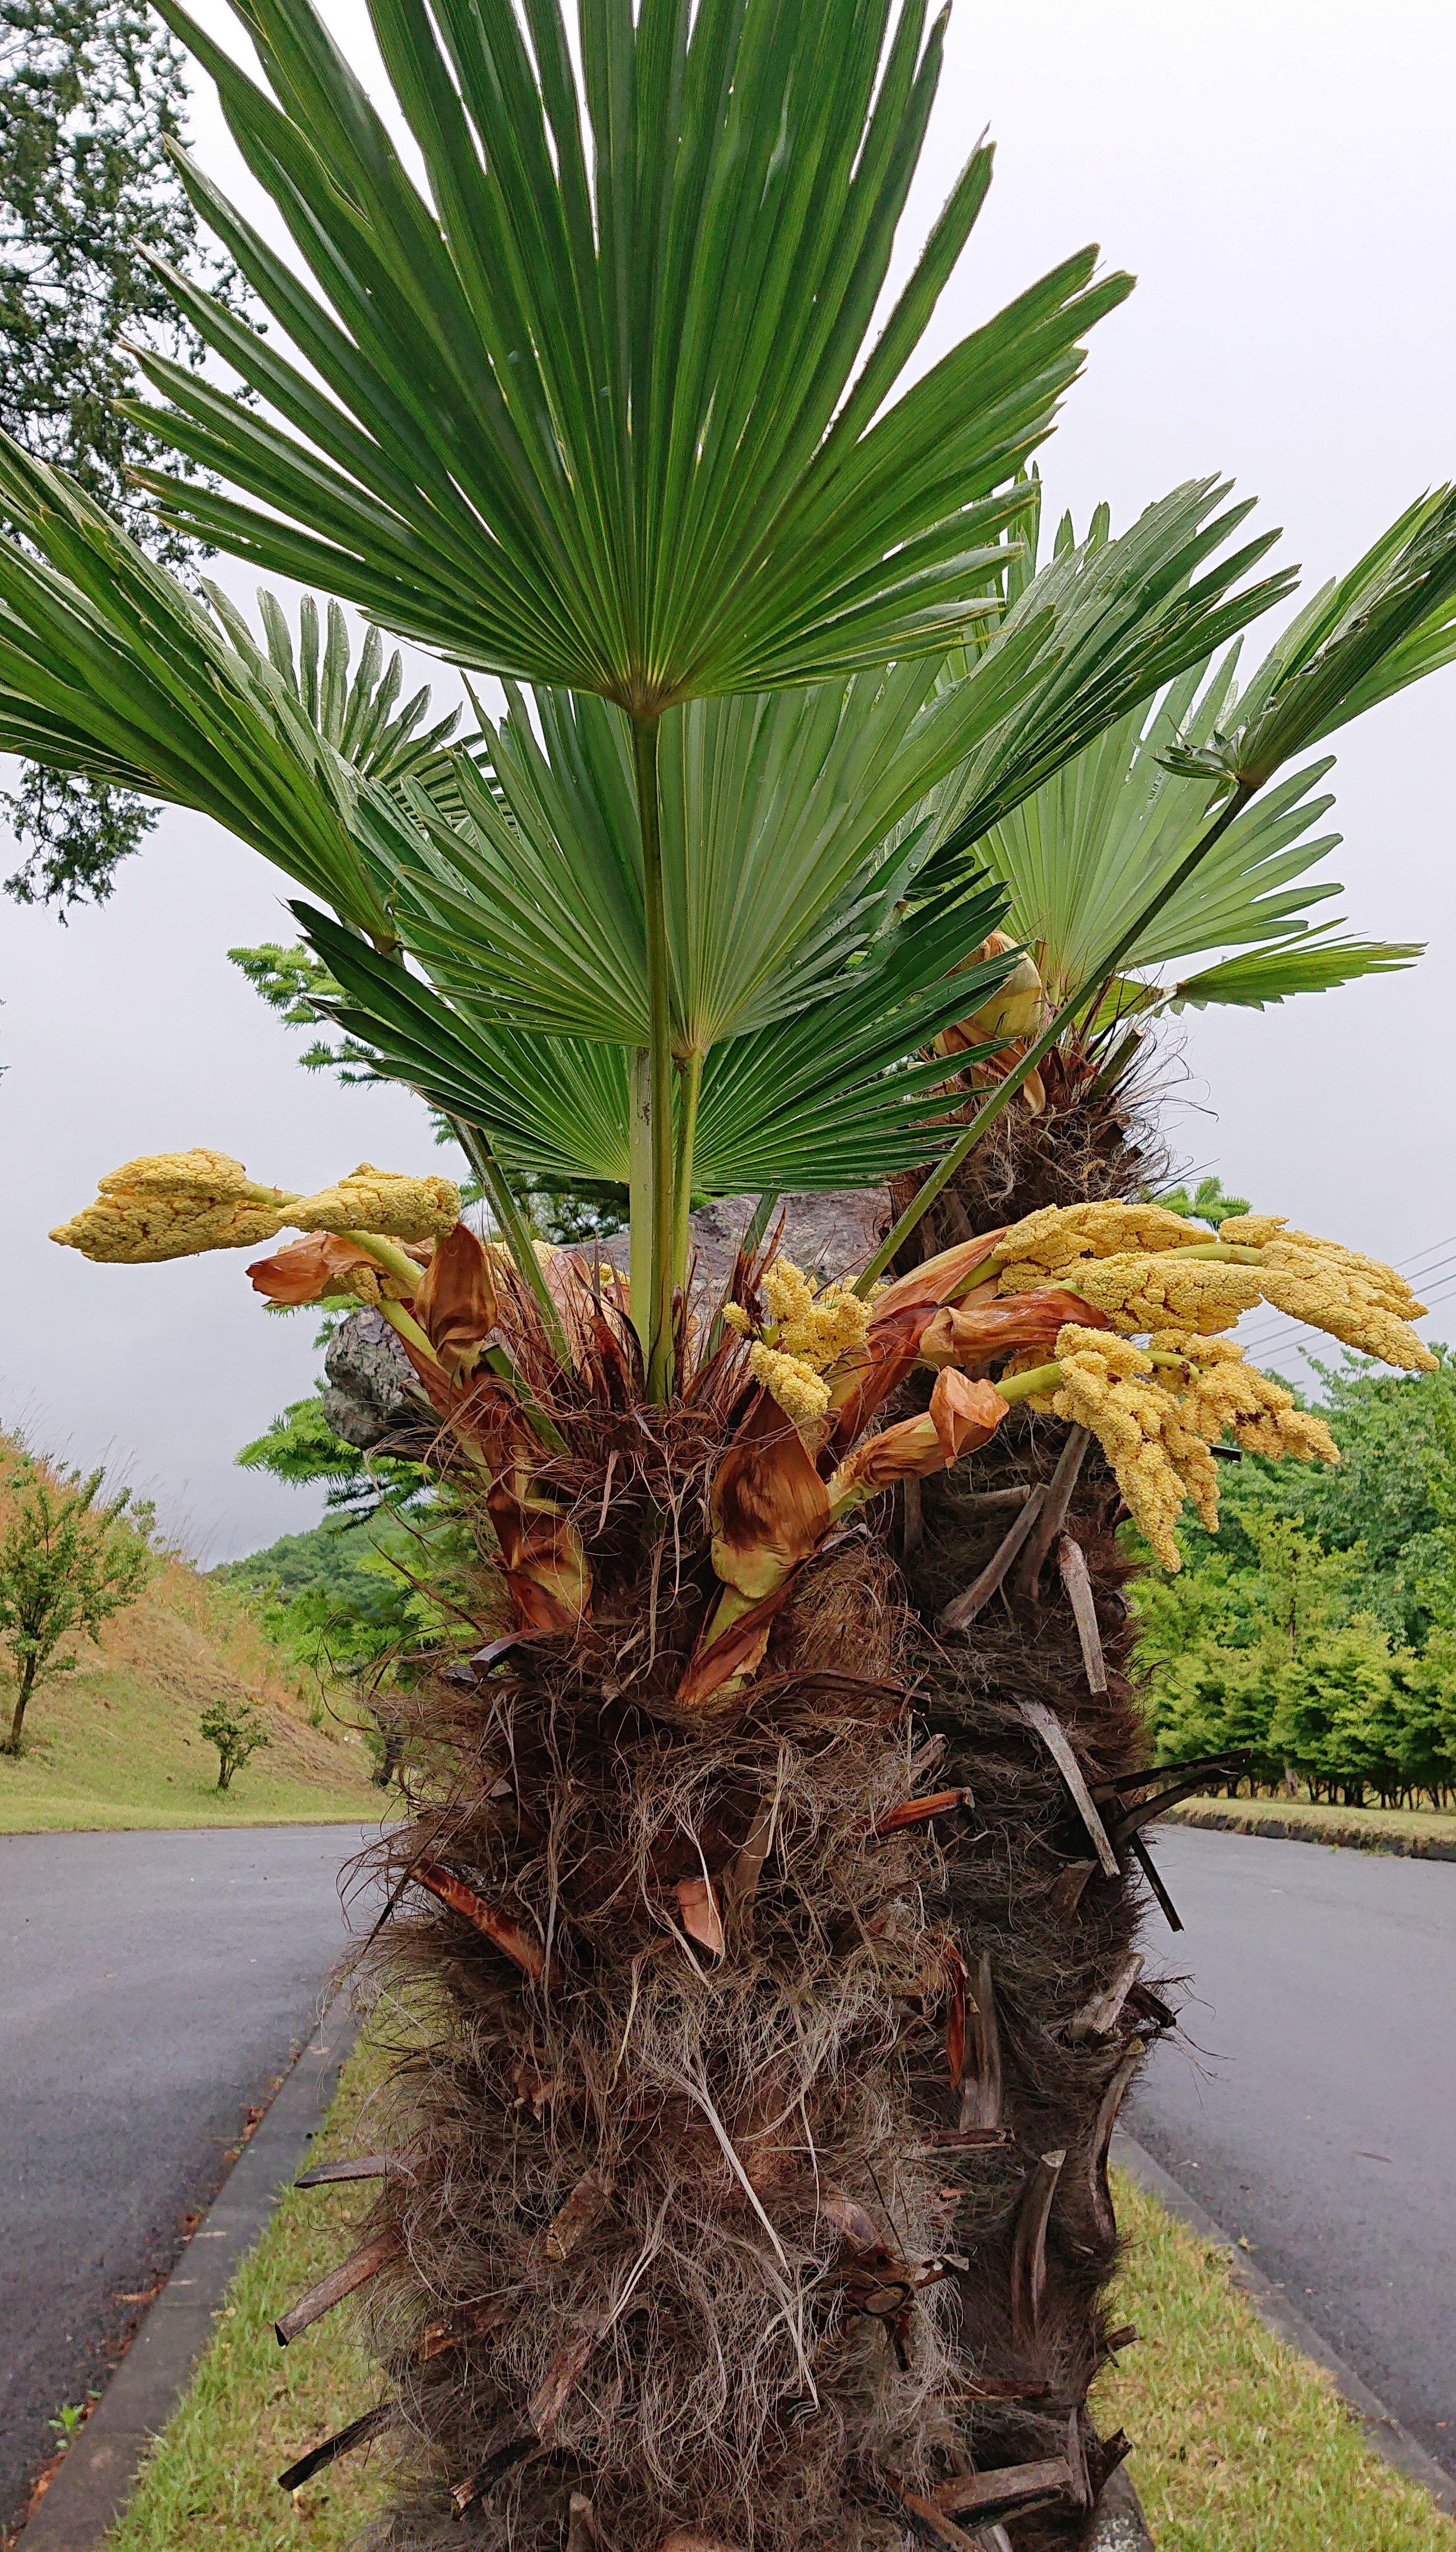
pixel 116 1741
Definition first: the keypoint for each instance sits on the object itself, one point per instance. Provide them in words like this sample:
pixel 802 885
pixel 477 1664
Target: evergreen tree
pixel 92 93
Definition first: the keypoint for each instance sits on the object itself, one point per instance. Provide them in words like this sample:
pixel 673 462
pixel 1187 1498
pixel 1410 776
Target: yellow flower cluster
pixel 1157 1458
pixel 1357 1300
pixel 1222 1391
pixel 1047 1244
pixel 810 1332
pixel 801 1394
pixel 1140 1293
pixel 174 1205
pixel 1131 1262
pixel 177 1205
pixel 382 1201
pixel 1156 1420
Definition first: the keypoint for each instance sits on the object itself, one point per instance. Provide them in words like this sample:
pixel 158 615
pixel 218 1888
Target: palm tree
pixel 1020 1569
pixel 663 2252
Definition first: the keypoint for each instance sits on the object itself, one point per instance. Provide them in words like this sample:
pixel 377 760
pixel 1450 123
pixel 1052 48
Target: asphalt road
pixel 152 1986
pixel 1315 2111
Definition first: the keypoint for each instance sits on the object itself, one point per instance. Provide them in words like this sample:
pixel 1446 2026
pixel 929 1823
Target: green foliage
pixel 236 1732
pixel 299 1446
pixel 91 94
pixel 70 1559
pixel 1318 1628
pixel 633 310
pixel 366 1604
pixel 1207 1204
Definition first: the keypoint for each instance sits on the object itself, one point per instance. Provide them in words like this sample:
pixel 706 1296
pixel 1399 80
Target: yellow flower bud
pixel 795 1386
pixel 381 1201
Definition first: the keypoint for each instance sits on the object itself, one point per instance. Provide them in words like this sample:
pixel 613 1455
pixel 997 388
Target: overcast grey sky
pixel 1281 180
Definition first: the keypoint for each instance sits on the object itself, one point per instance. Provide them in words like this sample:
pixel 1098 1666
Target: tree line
pixel 1318 1628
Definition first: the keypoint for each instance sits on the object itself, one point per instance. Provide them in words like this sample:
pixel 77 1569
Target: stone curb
pixel 94 2482
pixel 1297 1828
pixel 1381 2428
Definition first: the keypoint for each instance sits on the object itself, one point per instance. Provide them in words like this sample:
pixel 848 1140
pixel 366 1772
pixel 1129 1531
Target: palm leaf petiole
pixel 520 1240
pixel 644 732
pixel 690 1092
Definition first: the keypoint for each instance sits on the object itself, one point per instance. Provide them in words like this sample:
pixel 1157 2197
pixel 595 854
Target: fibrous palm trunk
pixel 659 2254
pixel 1026 1685
pixel 773 1901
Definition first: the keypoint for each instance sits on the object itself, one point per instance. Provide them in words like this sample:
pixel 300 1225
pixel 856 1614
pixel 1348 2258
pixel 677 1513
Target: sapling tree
pixel 71 1559
pixel 236 1730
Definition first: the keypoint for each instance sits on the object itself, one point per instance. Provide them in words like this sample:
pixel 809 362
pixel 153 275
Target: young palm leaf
pixel 1082 857
pixel 1390 620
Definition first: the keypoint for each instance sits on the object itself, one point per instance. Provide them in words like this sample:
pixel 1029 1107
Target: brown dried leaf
pixel 961 1416
pixel 701 1919
pixel 304 1270
pixel 973 1333
pixel 770 1510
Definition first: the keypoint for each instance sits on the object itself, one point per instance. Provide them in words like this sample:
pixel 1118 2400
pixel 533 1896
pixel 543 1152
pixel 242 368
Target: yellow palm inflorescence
pixel 809 1332
pixel 1157 1409
pixel 1357 1300
pixel 383 1201
pixel 174 1205
pixel 177 1205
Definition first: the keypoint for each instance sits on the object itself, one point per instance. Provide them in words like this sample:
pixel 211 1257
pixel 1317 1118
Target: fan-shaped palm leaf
pixel 595 409
pixel 823 1099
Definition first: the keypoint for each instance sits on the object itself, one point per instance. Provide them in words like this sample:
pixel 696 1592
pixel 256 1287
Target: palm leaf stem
pixel 692 1071
pixel 1089 992
pixel 645 735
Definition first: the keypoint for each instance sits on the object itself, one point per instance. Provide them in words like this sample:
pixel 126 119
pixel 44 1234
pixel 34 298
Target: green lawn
pixel 1241 2446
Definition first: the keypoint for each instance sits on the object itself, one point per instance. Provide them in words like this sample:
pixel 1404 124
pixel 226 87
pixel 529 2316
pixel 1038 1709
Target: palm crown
pixel 597 412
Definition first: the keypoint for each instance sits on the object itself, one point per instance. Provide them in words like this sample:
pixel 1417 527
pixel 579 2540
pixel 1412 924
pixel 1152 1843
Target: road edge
pixel 1289 1827
pixel 93 2484
pixel 1381 2428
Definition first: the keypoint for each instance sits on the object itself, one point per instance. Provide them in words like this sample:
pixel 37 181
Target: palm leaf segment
pixel 107 664
pixel 1089 850
pixel 791 829
pixel 597 412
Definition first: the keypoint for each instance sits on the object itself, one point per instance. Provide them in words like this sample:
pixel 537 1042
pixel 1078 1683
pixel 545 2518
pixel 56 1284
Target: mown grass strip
pixel 1239 2441
pixel 1400 1830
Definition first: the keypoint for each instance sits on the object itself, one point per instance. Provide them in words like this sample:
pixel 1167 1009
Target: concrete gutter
pixel 93 2482
pixel 1381 2428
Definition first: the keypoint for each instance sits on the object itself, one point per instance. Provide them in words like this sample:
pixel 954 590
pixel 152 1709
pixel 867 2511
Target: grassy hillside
pixel 116 1741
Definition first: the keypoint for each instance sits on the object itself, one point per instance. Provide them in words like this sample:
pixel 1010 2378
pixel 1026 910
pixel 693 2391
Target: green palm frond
pixel 353 711
pixel 1360 639
pixel 831 1098
pixel 110 667
pixel 1316 963
pixel 1087 851
pixel 772 808
pixel 595 409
